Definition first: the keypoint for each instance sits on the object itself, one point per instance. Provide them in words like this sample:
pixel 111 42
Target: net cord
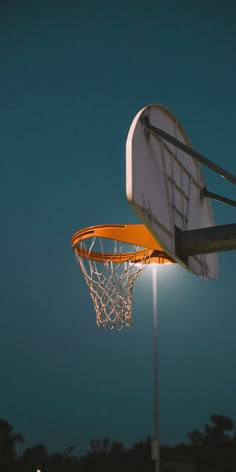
pixel 110 284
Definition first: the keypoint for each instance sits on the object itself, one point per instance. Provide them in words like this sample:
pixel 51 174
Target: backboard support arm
pixel 205 240
pixel 219 198
pixel 188 150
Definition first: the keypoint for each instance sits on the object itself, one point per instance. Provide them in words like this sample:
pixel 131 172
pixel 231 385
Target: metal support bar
pixel 219 198
pixel 205 240
pixel 188 150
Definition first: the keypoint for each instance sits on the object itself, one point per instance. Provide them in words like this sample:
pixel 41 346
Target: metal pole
pixel 155 441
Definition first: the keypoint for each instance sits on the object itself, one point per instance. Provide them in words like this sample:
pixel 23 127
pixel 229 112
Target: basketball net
pixel 110 285
pixel 111 267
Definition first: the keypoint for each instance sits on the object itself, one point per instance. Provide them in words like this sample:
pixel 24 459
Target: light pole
pixel 155 441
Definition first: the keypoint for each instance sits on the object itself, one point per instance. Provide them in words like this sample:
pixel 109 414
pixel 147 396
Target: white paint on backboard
pixel 163 186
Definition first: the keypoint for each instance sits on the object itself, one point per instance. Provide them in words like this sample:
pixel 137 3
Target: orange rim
pixel 137 235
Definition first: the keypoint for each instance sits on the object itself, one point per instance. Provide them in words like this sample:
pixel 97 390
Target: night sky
pixel 73 76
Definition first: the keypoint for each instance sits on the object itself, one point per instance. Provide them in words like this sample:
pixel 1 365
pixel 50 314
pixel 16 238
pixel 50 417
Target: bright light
pixel 158 264
pixel 136 264
pixel 161 270
pixel 159 267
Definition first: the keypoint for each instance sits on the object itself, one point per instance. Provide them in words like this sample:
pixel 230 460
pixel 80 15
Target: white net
pixel 110 283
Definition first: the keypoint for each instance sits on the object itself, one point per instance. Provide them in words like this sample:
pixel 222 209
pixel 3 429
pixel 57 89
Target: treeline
pixel 212 449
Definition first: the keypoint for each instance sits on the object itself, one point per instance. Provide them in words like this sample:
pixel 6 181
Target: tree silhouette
pixel 8 442
pixel 104 455
pixel 213 449
pixel 33 458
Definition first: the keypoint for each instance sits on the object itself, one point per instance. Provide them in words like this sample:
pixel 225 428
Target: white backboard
pixel 163 186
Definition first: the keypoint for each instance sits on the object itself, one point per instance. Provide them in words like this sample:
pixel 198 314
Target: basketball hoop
pixel 111 257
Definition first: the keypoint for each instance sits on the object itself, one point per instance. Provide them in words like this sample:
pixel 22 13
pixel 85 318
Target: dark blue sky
pixel 73 76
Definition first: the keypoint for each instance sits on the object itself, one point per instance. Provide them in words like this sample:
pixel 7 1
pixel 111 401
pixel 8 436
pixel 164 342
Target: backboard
pixel 163 186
